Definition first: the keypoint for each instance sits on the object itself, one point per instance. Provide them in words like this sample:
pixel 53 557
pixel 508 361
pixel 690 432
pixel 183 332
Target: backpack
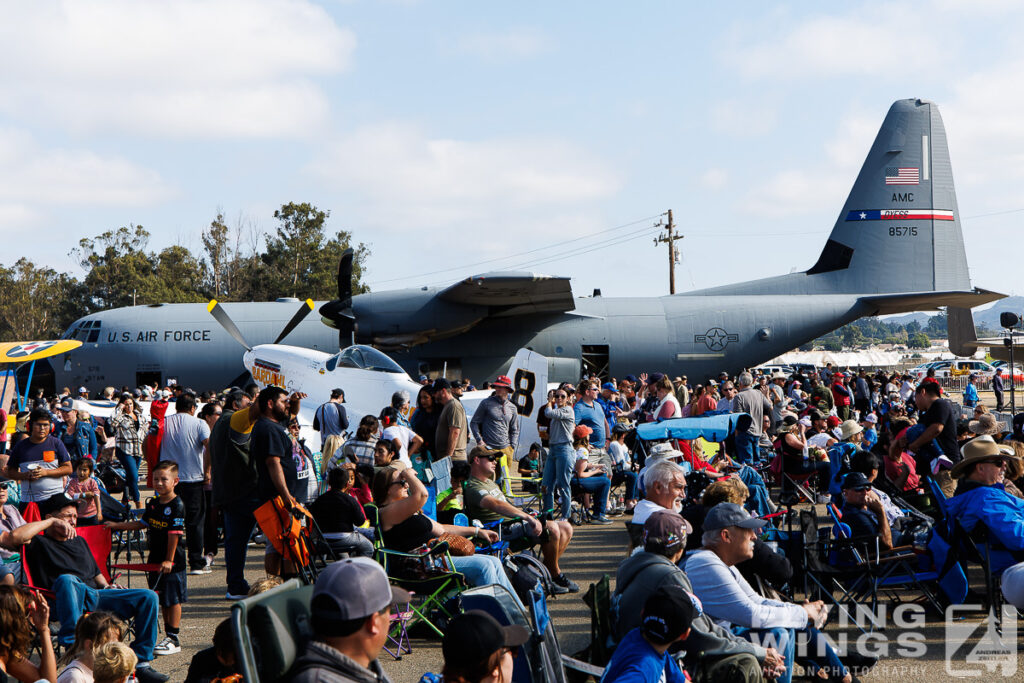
pixel 526 572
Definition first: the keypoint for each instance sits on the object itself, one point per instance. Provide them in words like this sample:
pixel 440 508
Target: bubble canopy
pixel 363 358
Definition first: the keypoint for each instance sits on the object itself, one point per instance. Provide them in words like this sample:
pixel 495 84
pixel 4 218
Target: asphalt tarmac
pixel 912 647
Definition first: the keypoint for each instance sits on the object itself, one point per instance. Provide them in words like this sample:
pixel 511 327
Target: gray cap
pixel 725 515
pixel 356 588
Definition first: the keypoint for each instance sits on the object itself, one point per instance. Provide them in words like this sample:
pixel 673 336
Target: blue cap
pixel 630 378
pixel 609 386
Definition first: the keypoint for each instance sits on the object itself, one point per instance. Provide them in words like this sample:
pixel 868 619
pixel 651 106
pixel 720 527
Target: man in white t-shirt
pixel 818 435
pixel 664 487
pixel 185 442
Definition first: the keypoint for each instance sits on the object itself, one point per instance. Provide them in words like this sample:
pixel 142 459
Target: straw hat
pixel 977 451
pixel 848 428
pixel 985 424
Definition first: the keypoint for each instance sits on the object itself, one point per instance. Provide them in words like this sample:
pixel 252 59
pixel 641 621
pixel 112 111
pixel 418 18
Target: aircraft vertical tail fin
pixel 529 374
pixel 963 338
pixel 899 230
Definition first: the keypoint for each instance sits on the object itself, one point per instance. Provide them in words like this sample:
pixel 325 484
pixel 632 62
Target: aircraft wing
pixel 906 302
pixel 21 352
pixel 513 293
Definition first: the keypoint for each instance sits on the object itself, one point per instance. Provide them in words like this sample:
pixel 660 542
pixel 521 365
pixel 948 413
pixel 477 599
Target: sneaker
pixel 565 582
pixel 167 646
pixel 824 500
pixel 206 570
pixel 197 571
pixel 600 519
pixel 557 589
pixel 209 560
pixel 235 596
pixel 147 674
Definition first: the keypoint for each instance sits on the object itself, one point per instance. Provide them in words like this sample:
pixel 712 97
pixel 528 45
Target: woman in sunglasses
pixel 400 497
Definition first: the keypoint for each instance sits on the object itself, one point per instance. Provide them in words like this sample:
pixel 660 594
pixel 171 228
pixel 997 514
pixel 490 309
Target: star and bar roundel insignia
pixel 715 339
pixel 29 348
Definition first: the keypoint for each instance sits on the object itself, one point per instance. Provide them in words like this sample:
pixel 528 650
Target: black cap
pixel 440 383
pixel 815 414
pixel 665 532
pixel 855 480
pixel 55 503
pixel 472 637
pixel 667 614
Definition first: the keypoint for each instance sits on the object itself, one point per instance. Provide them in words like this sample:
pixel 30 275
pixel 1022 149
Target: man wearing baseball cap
pixel 712 652
pixel 643 655
pixel 729 534
pixel 350 613
pixel 495 424
pixel 477 647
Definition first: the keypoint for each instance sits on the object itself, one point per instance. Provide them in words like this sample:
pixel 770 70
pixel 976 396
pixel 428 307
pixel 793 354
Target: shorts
pixel 172 588
pixel 514 530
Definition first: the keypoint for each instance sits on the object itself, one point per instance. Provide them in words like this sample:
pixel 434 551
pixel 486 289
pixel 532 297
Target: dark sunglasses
pixel 996 461
pixel 400 482
pixel 560 396
pixel 861 488
pixel 492 458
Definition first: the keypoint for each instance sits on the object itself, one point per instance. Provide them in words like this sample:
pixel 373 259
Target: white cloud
pixel 32 177
pixel 714 178
pixel 823 187
pixel 513 43
pixel 178 67
pixel 410 176
pixel 866 42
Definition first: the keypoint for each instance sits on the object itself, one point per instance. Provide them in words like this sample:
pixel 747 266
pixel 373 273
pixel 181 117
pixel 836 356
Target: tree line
pixel 238 263
pixel 867 331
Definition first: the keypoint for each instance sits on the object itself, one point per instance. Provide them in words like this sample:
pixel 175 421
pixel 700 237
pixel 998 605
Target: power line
pixel 516 255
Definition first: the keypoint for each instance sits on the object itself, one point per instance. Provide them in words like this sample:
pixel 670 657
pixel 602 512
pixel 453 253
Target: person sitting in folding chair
pixel 400 496
pixel 485 502
pixel 350 613
pixel 981 497
pixel 66 566
pixel 864 512
pixel 729 533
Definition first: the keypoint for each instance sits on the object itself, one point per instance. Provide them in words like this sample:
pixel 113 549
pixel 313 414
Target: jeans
pixel 484 570
pixel 353 543
pixel 759 503
pixel 779 638
pixel 597 487
pixel 238 525
pixel 557 478
pixel 74 598
pixel 194 498
pixel 131 473
pixel 746 447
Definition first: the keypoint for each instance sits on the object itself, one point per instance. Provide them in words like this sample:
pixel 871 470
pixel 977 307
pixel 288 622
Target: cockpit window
pixel 363 358
pixel 87 331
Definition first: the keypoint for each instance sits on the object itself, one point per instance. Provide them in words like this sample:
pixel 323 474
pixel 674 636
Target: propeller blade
pixel 299 316
pixel 345 275
pixel 225 321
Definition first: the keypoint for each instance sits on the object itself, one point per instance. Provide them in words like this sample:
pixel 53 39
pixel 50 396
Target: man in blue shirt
pixel 642 655
pixel 863 511
pixel 589 412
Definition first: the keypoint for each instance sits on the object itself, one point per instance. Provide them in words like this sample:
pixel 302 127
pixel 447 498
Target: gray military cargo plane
pixel 895 247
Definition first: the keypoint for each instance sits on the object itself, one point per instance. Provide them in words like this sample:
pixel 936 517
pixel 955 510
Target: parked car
pixel 921 370
pixel 962 368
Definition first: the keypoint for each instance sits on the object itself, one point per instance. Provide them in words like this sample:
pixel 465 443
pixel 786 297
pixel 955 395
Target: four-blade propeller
pixel 338 313
pixel 221 316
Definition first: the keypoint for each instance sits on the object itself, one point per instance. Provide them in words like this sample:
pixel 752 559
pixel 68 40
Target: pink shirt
pixel 893 469
pixel 86 508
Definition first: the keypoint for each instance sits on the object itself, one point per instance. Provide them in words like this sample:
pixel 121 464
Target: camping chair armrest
pixel 437 549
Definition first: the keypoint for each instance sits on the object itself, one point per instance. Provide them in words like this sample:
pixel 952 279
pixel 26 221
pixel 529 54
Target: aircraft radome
pixel 896 246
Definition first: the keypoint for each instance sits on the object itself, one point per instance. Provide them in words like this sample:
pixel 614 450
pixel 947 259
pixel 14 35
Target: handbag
pixel 458 546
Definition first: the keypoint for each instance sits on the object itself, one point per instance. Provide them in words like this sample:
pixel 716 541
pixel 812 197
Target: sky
pixel 457 138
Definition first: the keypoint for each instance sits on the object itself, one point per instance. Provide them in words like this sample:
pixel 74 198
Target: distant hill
pixel 990 316
pixel 920 318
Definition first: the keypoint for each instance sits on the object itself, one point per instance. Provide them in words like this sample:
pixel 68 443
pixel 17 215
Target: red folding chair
pixel 99 540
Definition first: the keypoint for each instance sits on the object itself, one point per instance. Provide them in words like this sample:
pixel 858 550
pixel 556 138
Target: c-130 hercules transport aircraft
pixel 896 247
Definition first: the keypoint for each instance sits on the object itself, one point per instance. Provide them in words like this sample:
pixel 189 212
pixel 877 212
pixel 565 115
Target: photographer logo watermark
pixel 975 648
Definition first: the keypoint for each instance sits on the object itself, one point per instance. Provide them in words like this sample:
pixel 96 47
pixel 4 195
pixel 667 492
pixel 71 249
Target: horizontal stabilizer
pixel 906 302
pixel 527 292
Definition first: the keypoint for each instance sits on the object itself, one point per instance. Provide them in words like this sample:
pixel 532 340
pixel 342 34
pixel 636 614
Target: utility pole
pixel 669 238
